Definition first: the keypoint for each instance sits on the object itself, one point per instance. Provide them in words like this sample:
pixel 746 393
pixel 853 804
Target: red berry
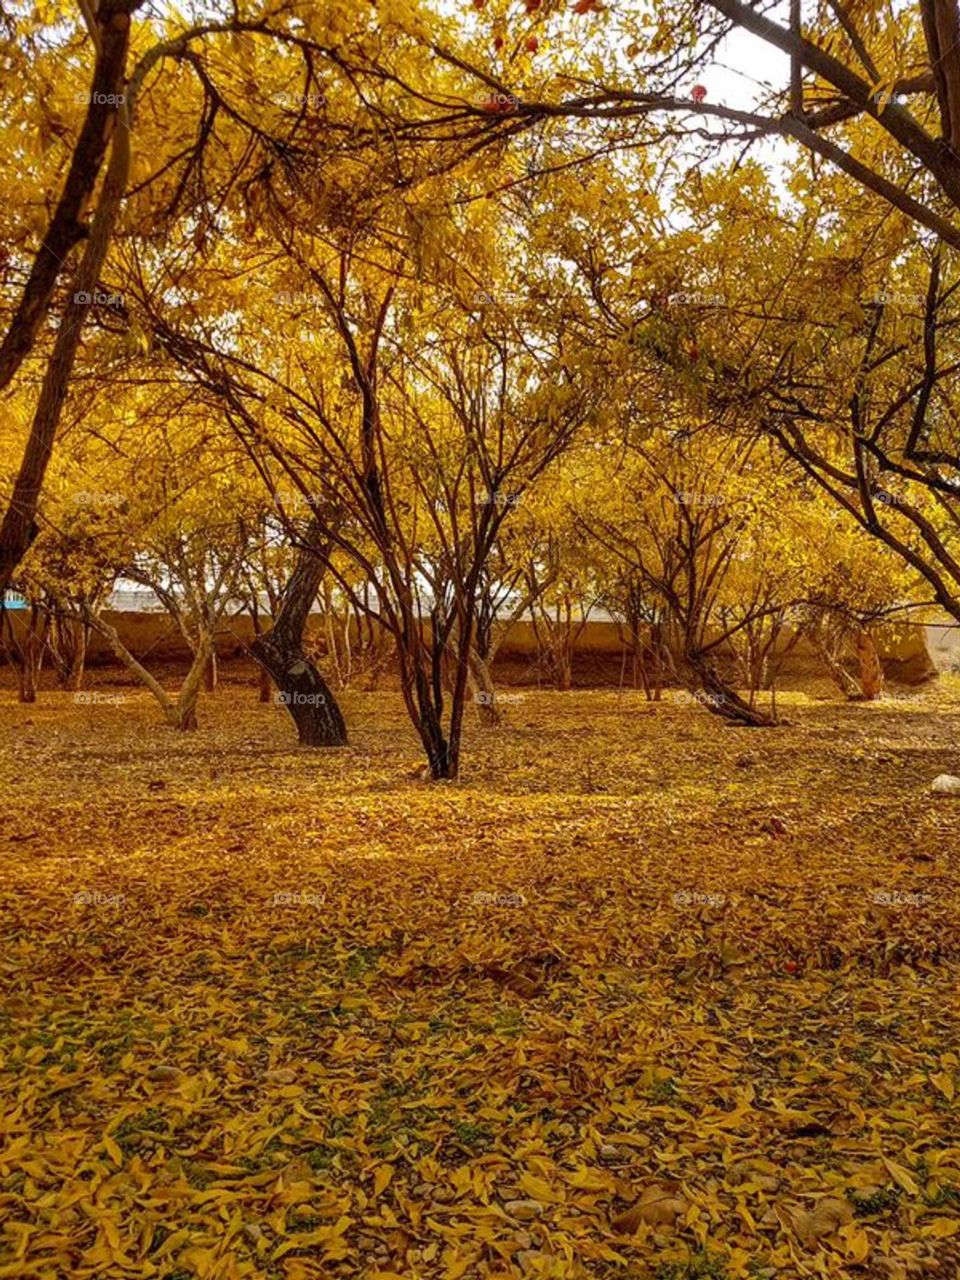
pixel 699 93
pixel 791 966
pixel 533 44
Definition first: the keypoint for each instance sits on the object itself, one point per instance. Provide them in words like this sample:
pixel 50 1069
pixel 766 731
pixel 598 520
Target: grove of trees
pixel 450 314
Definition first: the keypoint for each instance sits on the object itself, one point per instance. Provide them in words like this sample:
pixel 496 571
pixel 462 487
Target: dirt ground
pixel 268 1012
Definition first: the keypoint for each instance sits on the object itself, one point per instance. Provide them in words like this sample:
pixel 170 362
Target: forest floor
pixel 641 996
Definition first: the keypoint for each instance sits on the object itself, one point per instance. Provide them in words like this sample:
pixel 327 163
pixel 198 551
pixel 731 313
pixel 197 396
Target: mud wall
pixel 910 653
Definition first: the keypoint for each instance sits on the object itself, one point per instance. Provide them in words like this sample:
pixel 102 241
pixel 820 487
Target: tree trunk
pixel 871 669
pixel 564 681
pixel 210 672
pixel 186 720
pixel 32 656
pixel 19 527
pixel 441 760
pixel 484 691
pixel 66 227
pixel 67 641
pixel 721 700
pixel 333 655
pixel 78 657
pixel 185 714
pixel 265 685
pixel 301 687
pixel 838 673
pixel 112 636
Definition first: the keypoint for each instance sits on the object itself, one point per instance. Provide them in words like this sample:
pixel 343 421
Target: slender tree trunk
pixel 871 669
pixel 301 687
pixel 66 226
pixel 32 655
pixel 265 685
pixel 346 670
pixel 484 691
pixel 73 679
pixel 18 527
pixel 838 672
pixel 185 709
pixel 721 699
pixel 431 733
pixel 112 636
pixel 564 670
pixel 333 656
pixel 67 641
pixel 377 655
pixel 210 672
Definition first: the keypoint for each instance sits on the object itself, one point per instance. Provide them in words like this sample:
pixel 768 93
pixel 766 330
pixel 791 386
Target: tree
pixel 281 652
pixel 179 184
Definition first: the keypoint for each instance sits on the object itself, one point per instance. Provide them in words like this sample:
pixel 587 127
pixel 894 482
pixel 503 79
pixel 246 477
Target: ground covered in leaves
pixel 642 996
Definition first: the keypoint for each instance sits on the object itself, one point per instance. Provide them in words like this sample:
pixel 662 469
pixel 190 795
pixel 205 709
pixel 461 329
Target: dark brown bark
pixel 265 684
pixel 301 687
pixel 31 654
pixel 19 527
pixel 941 28
pixel 67 642
pixel 66 226
pixel 721 699
pixel 443 754
pixel 941 162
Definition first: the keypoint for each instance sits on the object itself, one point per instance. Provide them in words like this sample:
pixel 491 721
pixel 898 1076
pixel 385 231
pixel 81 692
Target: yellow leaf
pixel 537 1188
pixel 588 1179
pixel 901 1176
pixel 943 1081
pixel 381 1178
pixel 857 1242
pixel 113 1151
pixel 940 1228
